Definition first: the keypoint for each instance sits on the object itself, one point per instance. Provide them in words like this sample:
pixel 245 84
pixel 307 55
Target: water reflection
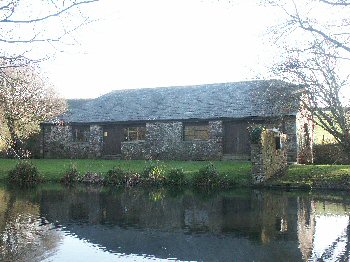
pixel 23 236
pixel 323 230
pixel 53 223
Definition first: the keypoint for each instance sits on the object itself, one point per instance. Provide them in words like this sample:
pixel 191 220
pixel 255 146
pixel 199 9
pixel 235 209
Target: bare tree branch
pixel 309 28
pixel 28 34
pixel 339 2
pixel 40 19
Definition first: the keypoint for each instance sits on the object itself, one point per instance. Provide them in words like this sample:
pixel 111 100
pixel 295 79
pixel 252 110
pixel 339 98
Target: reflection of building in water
pixel 246 225
pixel 251 225
pixel 323 230
pixel 23 236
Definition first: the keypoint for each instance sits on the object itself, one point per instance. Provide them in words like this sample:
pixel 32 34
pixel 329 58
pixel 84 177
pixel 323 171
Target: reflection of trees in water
pixel 333 249
pixel 306 227
pixel 23 236
pixel 346 255
pixel 308 212
pixel 329 252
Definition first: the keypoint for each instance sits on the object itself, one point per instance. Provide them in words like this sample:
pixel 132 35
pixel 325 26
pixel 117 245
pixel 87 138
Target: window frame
pixel 198 129
pixel 140 131
pixel 80 133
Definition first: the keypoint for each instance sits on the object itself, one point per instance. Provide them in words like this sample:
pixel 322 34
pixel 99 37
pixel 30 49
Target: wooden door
pixel 112 138
pixel 236 138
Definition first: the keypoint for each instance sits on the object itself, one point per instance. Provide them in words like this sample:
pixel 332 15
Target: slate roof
pixel 224 100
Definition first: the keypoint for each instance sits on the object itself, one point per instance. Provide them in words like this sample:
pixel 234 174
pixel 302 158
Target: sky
pixel 156 43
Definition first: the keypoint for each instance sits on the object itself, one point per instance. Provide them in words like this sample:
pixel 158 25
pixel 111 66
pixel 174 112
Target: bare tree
pixel 316 20
pixel 29 25
pixel 26 99
pixel 30 31
pixel 316 38
pixel 324 86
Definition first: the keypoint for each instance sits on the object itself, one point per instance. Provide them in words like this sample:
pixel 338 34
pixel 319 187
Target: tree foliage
pixel 32 30
pixel 26 99
pixel 316 38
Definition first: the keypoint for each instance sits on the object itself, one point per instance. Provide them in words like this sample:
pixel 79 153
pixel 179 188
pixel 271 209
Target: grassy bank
pixel 234 172
pixel 315 177
pixel 53 169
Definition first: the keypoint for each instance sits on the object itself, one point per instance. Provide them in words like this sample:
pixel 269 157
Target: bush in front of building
pixel 116 177
pixel 330 154
pixel 70 176
pixel 206 177
pixel 176 177
pixel 153 174
pixel 91 178
pixel 24 174
pixel 255 134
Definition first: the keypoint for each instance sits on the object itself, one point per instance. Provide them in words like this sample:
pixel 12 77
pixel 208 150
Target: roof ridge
pixel 193 86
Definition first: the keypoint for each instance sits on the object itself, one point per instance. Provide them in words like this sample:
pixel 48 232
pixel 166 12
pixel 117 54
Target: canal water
pixel 56 223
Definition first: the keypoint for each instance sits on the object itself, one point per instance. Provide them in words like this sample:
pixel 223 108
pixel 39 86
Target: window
pixel 278 142
pixel 196 131
pixel 81 133
pixel 133 133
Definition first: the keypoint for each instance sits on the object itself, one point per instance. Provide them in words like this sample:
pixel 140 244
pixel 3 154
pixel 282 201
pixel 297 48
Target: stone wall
pixel 268 159
pixel 291 143
pixel 133 150
pixel 164 140
pixel 95 141
pixel 58 143
pixel 287 125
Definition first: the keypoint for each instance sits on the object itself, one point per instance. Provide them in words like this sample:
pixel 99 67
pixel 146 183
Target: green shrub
pixel 255 135
pixel 176 177
pixel 70 176
pixel 24 173
pixel 206 177
pixel 91 178
pixel 116 176
pixel 330 154
pixel 132 179
pixel 153 174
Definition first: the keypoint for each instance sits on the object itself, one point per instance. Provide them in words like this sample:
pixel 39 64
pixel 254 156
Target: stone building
pixel 203 122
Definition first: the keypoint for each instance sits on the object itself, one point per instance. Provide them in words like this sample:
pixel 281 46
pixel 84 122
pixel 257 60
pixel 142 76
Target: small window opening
pixel 134 133
pixel 278 142
pixel 81 133
pixel 196 131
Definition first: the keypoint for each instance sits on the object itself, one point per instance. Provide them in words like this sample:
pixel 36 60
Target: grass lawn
pixel 237 172
pixel 321 136
pixel 316 176
pixel 53 169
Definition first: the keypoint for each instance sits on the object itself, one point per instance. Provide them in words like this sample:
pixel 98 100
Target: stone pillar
pixel 95 141
pixel 268 154
pixel 290 129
